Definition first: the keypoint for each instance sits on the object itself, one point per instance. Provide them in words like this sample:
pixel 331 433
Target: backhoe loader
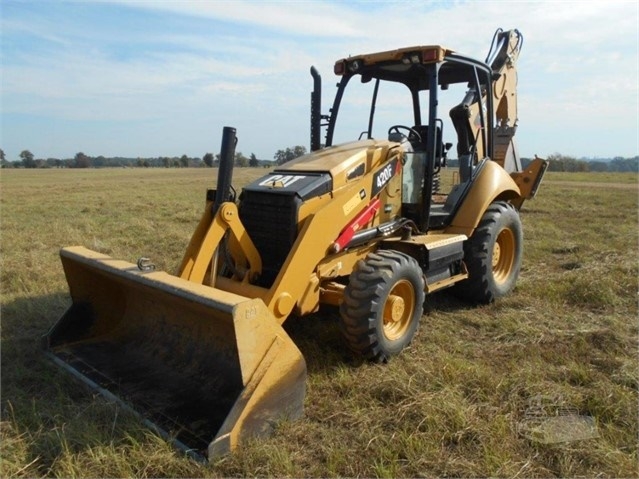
pixel 361 223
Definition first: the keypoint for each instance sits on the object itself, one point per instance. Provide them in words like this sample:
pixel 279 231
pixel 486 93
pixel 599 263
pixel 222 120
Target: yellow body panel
pixel 317 233
pixel 340 160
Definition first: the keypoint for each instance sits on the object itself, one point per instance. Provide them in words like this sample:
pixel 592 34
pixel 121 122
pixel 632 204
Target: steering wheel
pixel 411 131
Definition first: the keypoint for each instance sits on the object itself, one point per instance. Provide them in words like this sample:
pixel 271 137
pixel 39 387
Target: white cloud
pixel 244 61
pixel 302 18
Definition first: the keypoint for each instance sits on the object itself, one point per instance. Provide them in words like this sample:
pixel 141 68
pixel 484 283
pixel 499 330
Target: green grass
pixel 451 405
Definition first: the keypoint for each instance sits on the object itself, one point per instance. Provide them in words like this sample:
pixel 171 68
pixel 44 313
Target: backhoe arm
pixel 466 116
pixel 502 59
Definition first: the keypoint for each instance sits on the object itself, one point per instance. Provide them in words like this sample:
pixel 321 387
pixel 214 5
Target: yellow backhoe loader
pixel 363 224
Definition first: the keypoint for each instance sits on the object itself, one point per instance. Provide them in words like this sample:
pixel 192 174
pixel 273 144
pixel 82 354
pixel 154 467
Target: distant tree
pixel 140 162
pixel 27 159
pixel 281 156
pixel 241 160
pixel 166 162
pixel 284 156
pixel 598 166
pixel 624 164
pixel 253 161
pixel 208 159
pixel 3 161
pixel 184 161
pixel 299 151
pixel 82 160
pixel 559 162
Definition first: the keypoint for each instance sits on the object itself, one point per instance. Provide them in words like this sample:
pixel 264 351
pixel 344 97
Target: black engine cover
pixel 269 211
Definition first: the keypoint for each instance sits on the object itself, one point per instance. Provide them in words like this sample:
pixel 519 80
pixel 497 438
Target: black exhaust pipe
pixel 316 110
pixel 225 172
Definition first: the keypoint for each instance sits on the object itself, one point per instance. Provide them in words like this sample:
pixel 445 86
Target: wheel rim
pixel 503 255
pixel 398 310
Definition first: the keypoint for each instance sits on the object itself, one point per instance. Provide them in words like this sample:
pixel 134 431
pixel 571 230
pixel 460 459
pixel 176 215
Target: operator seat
pixel 423 133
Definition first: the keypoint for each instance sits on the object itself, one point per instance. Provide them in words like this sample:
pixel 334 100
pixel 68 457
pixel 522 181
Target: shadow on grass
pixel 44 412
pixel 50 421
pixel 319 339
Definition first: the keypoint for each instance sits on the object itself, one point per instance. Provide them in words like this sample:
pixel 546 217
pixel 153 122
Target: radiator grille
pixel 271 222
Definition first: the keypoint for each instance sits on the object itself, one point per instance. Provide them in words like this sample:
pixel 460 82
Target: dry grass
pixel 452 405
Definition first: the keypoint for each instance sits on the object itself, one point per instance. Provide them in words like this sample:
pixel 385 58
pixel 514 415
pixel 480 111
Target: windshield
pixel 380 96
pixel 393 106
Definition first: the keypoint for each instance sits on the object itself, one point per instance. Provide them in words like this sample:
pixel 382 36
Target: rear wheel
pixel 493 255
pixel 382 304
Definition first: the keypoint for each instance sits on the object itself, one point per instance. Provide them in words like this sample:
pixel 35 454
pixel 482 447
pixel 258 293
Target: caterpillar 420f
pixel 363 222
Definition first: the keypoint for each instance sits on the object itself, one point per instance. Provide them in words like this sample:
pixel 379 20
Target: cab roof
pixel 406 65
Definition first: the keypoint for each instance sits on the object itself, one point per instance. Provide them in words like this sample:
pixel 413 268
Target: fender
pixel 491 183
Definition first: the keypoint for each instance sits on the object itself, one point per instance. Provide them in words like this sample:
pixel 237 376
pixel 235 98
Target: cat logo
pixel 281 181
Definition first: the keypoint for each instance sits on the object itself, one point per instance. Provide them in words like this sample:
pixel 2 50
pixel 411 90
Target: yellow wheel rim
pixel 398 310
pixel 503 255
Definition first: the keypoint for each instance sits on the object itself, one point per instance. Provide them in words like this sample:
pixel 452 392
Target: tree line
pixel 557 161
pixel 81 160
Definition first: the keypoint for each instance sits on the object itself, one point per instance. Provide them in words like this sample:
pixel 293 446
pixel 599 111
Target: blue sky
pixel 162 78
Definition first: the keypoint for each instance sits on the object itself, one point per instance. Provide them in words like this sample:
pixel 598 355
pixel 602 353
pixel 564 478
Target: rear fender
pixel 491 183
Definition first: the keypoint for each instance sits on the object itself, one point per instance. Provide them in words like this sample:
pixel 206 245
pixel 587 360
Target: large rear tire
pixel 493 255
pixel 382 305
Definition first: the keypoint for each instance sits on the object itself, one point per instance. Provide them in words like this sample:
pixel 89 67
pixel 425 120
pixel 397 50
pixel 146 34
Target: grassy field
pixel 463 400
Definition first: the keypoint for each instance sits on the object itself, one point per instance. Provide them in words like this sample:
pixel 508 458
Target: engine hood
pixel 345 162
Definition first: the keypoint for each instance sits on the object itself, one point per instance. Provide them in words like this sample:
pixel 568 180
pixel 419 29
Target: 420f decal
pixel 383 176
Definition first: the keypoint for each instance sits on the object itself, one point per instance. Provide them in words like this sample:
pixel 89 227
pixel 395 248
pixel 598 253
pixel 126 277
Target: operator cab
pixel 415 172
pixel 415 84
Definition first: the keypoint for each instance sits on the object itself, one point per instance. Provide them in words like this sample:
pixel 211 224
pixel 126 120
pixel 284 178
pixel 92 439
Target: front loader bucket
pixel 203 367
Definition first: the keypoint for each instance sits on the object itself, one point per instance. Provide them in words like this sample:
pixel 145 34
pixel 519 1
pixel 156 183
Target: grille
pixel 271 222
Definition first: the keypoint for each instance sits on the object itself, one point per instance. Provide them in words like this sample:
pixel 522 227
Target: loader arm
pixel 207 238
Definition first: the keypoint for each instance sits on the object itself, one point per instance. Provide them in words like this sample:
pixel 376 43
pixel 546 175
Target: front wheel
pixel 493 255
pixel 382 304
